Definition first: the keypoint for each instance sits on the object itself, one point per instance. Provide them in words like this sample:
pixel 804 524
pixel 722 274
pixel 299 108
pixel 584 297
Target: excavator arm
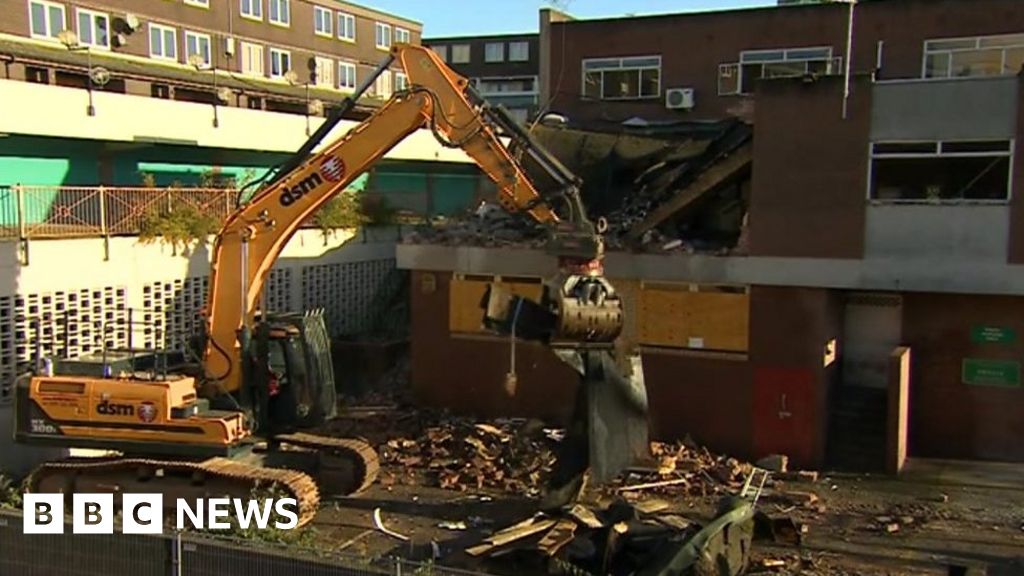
pixel 253 237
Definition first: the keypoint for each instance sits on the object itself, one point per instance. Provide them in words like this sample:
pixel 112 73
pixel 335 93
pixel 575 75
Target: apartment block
pixel 867 158
pixel 503 68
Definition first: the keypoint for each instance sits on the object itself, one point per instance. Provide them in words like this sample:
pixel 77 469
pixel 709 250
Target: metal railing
pixel 179 554
pixel 31 212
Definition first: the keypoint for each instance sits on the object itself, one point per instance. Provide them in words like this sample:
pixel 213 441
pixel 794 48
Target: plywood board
pixel 681 318
pixel 465 294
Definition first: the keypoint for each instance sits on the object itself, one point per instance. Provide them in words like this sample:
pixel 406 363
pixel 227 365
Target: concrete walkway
pixel 1008 475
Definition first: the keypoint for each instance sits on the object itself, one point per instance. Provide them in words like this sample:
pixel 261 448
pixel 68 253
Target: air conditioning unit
pixel 229 46
pixel 679 99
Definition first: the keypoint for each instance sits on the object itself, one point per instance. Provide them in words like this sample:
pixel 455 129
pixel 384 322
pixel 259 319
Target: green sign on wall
pixel 989 334
pixel 991 372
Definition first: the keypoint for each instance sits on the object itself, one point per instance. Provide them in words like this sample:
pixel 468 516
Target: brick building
pixel 504 68
pixel 876 305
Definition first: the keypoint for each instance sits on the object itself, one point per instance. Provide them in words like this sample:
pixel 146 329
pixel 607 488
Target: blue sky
pixel 464 17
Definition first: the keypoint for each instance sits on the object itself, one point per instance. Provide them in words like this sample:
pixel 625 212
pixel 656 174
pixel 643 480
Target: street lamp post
pixel 70 41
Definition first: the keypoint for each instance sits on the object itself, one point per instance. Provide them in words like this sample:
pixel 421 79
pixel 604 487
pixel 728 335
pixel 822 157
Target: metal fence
pixel 183 555
pixel 29 212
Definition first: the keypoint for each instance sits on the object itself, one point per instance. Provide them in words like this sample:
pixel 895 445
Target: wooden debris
pixel 774 463
pixel 773 563
pixel 654 484
pixel 650 506
pixel 795 498
pixel 797 476
pixel 519 531
pixel 674 521
pixel 892 527
pixel 585 516
pixel 560 534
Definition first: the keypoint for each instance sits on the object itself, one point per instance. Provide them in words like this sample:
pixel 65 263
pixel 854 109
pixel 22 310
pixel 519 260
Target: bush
pixel 182 226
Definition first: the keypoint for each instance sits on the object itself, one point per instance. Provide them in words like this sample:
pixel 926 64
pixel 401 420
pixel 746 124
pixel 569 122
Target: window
pixel 279 12
pixel 402 35
pixel 47 20
pixel 507 86
pixel 460 54
pixel 383 36
pixel 252 59
pixel 441 51
pixel 518 51
pixel 93 28
pixel 163 42
pixel 740 78
pixel 280 62
pixel 346 75
pixel 382 86
pixel 199 3
pixel 983 56
pixel 401 81
pixel 346 27
pixel 324 72
pixel 976 171
pixel 494 52
pixel 252 9
pixel 323 20
pixel 622 78
pixel 197 44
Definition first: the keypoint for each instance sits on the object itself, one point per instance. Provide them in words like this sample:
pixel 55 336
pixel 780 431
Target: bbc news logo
pixel 144 513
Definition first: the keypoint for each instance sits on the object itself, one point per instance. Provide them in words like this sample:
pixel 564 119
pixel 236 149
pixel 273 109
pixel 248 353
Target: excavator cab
pixel 291 378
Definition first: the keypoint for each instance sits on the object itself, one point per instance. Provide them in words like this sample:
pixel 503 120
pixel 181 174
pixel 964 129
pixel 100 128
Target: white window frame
pixel 378 29
pixel 256 14
pixel 469 53
pixel 401 81
pixel 348 66
pixel 491 59
pixel 637 63
pixel 319 13
pixel 198 3
pixel 384 81
pixel 49 35
pixel 442 51
pixel 93 15
pixel 403 35
pixel 163 29
pixel 479 83
pixel 938 151
pixel 284 16
pixel 347 18
pixel 199 36
pixel 244 46
pixel 524 45
pixel 279 52
pixel 775 56
pixel 977 41
pixel 322 63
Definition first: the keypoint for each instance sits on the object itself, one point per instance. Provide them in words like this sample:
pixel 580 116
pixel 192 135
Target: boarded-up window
pixel 693 316
pixel 465 315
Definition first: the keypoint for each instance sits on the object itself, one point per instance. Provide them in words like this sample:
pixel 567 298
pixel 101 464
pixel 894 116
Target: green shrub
pixel 182 226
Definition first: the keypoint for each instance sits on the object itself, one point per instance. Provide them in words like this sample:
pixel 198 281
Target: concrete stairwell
pixel 857 429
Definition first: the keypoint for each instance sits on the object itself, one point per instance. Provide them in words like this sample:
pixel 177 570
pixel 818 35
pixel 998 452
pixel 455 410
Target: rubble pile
pixel 684 468
pixel 488 226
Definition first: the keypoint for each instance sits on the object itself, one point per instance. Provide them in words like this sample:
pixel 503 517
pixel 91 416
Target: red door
pixel 785 413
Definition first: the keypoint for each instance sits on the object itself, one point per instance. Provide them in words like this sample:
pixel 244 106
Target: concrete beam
pixel 955 276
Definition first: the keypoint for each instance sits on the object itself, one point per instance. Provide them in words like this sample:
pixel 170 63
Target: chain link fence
pixel 183 555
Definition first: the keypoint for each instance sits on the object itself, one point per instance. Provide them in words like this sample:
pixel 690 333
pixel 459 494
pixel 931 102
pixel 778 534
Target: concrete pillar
pixel 899 410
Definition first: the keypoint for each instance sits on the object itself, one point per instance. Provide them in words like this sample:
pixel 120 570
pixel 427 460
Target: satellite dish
pixel 197 61
pixel 291 77
pixel 99 75
pixel 131 21
pixel 224 94
pixel 316 107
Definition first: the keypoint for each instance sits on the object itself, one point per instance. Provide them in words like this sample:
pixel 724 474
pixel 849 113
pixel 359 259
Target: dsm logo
pixel 108 408
pixel 331 169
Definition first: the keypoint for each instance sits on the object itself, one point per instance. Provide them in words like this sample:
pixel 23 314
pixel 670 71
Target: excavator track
pixel 348 466
pixel 215 477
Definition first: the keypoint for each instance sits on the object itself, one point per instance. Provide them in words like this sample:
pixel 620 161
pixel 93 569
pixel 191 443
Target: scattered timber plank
pixel 561 534
pixel 658 484
pixel 585 516
pixel 515 532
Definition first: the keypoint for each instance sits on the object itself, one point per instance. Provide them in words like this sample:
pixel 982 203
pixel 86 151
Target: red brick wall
pixel 810 180
pixel 693 45
pixel 950 419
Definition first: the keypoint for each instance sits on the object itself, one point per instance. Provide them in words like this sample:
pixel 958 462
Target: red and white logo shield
pixel 333 169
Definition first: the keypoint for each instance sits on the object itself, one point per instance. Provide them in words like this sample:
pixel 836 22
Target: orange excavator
pixel 246 417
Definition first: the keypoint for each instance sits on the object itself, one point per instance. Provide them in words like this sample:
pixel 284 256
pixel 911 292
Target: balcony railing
pixel 35 212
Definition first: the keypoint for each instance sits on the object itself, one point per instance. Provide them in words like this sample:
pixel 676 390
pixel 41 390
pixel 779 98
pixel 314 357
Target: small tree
pixel 181 225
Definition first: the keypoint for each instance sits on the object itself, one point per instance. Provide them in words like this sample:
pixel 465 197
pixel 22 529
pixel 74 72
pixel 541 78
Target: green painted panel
pixel 980 372
pixel 992 334
pixel 453 193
